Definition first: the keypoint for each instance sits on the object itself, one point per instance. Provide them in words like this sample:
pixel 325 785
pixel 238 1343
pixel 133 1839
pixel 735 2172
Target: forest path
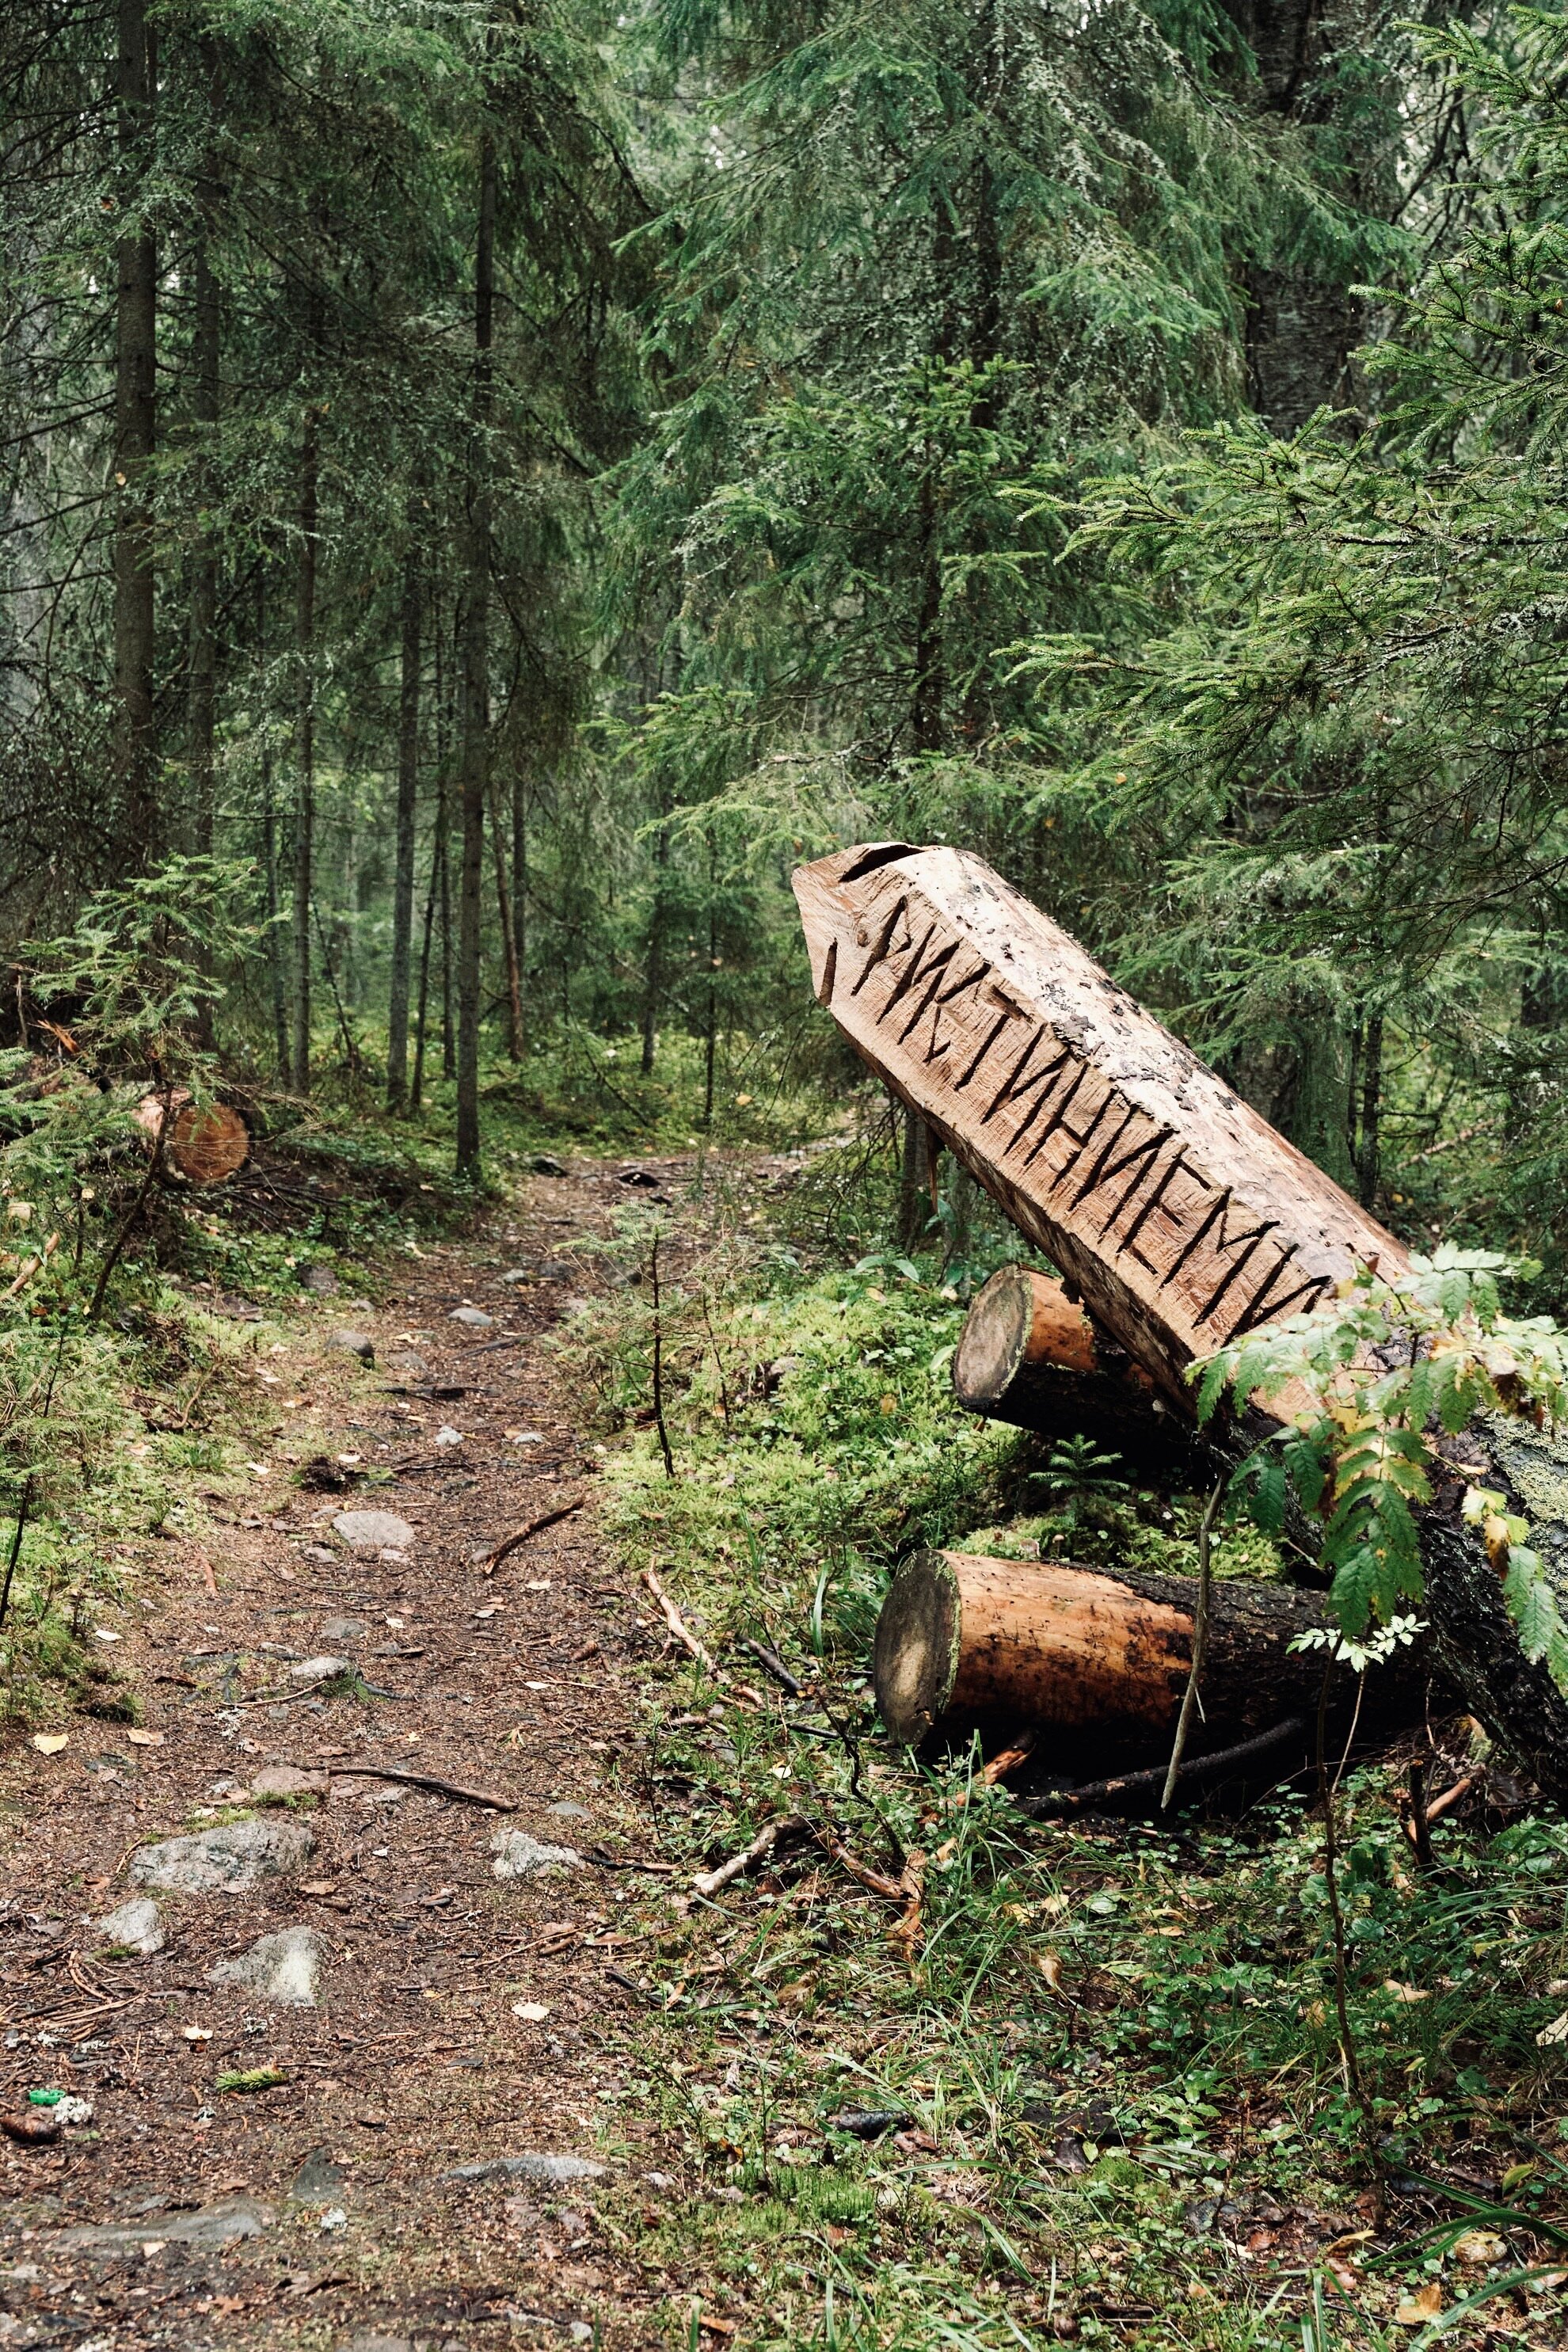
pixel 324 2211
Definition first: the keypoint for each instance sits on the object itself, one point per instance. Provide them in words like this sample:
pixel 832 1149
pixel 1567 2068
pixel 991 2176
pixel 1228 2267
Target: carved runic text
pixel 1180 1217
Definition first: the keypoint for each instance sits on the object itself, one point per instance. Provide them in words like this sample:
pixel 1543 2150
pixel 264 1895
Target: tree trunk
pixel 653 978
pixel 407 808
pixel 520 878
pixel 277 977
pixel 437 867
pixel 914 1165
pixel 205 357
pixel 476 677
pixel 135 420
pixel 1099 1662
pixel 1180 1218
pixel 508 936
pixel 305 752
pixel 1030 1356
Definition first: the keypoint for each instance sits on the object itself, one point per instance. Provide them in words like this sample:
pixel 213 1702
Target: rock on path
pixel 233 1855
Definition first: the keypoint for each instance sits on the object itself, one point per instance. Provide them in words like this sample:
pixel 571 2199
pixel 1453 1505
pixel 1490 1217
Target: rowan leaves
pixel 1382 1373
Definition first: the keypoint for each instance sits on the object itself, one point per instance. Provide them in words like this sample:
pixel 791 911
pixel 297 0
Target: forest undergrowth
pixel 1070 2081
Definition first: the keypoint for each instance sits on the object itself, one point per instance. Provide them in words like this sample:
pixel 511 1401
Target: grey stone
pixel 518 1855
pixel 515 1275
pixel 320 1280
pixel 343 1628
pixel 372 2339
pixel 319 2181
pixel 233 1855
pixel 136 1926
pixel 568 1811
pixel 213 2225
pixel 285 1967
pixel 319 1670
pixel 533 2167
pixel 373 1530
pixel 474 1318
pixel 287 1780
pixel 354 1343
pixel 407 1365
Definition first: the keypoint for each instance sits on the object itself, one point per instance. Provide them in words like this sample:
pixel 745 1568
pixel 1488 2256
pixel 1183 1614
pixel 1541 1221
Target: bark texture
pixel 1099 1662
pixel 1176 1214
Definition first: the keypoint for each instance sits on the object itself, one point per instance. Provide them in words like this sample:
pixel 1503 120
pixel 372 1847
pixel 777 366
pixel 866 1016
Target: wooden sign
pixel 1178 1213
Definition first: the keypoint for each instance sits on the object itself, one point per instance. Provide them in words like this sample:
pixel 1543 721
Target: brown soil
pixel 415 2062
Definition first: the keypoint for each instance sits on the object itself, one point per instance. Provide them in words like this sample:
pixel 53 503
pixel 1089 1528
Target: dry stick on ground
pixel 414 1780
pixel 1190 1700
pixel 677 1622
pixel 535 1527
pixel 709 1881
pixel 1133 1784
pixel 772 1664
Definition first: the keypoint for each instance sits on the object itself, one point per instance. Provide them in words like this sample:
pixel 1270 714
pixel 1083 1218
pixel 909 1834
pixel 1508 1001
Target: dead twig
pixel 431 1781
pixel 1132 1784
pixel 772 1664
pixel 709 1881
pixel 535 1527
pixel 894 1889
pixel 677 1622
pixel 1191 1701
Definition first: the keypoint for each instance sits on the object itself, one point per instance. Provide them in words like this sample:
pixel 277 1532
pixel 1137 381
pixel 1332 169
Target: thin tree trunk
pixel 305 751
pixel 206 352
pixel 135 423
pixel 276 975
pixel 476 677
pixel 407 803
pixel 713 1039
pixel 653 980
pixel 437 867
pixel 1368 1156
pixel 508 936
pixel 520 885
pixel 912 1169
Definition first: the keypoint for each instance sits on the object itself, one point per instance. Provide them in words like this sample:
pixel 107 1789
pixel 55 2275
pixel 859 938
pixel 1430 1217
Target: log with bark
pixel 1174 1213
pixel 1101 1660
pixel 1029 1355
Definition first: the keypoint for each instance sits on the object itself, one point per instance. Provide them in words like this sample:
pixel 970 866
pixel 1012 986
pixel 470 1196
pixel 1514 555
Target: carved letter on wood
pixel 1177 1213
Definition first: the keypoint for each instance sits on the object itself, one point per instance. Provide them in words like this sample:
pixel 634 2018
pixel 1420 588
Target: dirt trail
pixel 322 2210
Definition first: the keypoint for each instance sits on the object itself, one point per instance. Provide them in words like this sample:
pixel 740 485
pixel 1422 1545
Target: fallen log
pixel 204 1144
pixel 968 1642
pixel 1030 1356
pixel 1174 1213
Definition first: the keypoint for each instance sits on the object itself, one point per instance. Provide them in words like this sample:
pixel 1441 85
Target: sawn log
pixel 1102 1661
pixel 1175 1212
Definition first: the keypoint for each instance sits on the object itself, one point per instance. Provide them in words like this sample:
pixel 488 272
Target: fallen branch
pixel 1451 1797
pixel 709 1881
pixel 1007 1760
pixel 32 1265
pixel 1095 1792
pixel 535 1527
pixel 414 1780
pixel 772 1664
pixel 677 1622
pixel 877 1880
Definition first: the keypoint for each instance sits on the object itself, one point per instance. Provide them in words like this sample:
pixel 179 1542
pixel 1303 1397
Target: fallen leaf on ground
pixel 145 1739
pixel 1478 2247
pixel 49 1743
pixel 533 2012
pixel 196 2033
pixel 1417 2308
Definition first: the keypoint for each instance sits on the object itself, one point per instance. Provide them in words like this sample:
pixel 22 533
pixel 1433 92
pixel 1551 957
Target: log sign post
pixel 1176 1214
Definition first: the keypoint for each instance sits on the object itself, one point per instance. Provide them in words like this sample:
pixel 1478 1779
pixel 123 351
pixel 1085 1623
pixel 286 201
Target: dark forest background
pixel 487 486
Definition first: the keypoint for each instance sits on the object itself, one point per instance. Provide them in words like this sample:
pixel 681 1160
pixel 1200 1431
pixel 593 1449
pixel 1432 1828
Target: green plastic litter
pixel 45 2098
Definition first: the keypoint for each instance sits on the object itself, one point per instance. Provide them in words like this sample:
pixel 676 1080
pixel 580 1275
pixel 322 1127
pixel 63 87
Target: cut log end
pixel 915 1661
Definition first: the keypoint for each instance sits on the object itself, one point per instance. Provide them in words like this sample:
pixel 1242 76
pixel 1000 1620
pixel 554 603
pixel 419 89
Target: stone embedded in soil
pixel 354 1343
pixel 474 1318
pixel 136 1926
pixel 404 1365
pixel 534 2166
pixel 373 1530
pixel 521 1856
pixel 285 1967
pixel 568 1811
pixel 319 1670
pixel 222 1860
pixel 287 1780
pixel 518 1855
pixel 343 1628
pixel 320 1280
pixel 319 2181
pixel 213 2226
